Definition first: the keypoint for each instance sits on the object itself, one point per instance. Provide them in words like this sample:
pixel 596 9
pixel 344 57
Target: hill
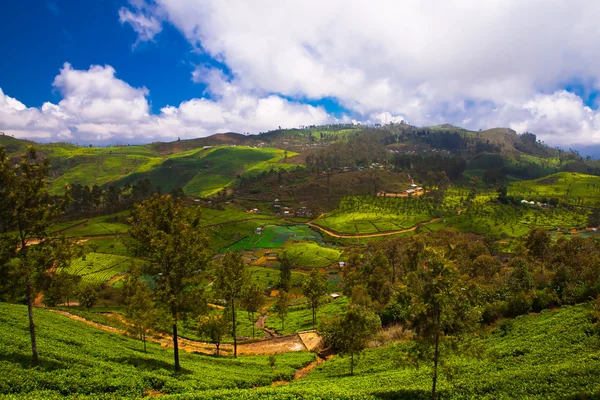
pixel 549 355
pixel 13 145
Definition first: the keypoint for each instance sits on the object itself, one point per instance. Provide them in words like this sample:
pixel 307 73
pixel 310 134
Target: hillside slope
pixel 79 360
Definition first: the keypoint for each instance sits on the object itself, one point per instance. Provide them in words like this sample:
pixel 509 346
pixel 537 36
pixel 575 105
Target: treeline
pixel 360 150
pixel 91 200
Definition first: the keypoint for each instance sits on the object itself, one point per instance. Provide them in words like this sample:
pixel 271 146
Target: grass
pixel 78 360
pixel 309 254
pixel 104 225
pixel 550 355
pixel 97 268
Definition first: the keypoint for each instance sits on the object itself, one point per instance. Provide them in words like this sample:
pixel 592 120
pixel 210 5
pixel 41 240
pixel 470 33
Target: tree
pixel 253 300
pixel 87 296
pixel 538 242
pixel 168 234
pixel 230 281
pixel 282 305
pixel 349 334
pixel 61 288
pixel 314 288
pixel 440 307
pixel 215 327
pixel 25 207
pixel 139 308
pixel 285 272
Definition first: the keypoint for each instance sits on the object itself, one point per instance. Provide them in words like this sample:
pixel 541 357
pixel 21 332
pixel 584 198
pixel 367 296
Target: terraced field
pixel 366 215
pixel 276 236
pixel 98 268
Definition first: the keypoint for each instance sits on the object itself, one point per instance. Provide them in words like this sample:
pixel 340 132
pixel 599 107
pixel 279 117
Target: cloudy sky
pixel 131 71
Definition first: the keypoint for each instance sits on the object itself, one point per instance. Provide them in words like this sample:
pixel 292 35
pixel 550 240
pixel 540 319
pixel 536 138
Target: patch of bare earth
pixel 275 345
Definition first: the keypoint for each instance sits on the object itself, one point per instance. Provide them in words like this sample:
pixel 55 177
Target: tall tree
pixel 139 308
pixel 285 272
pixel 25 206
pixel 282 305
pixel 168 234
pixel 231 278
pixel 253 300
pixel 349 334
pixel 314 288
pixel 440 309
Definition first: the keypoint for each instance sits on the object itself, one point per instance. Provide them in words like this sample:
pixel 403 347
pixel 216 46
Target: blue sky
pixel 104 71
pixel 45 34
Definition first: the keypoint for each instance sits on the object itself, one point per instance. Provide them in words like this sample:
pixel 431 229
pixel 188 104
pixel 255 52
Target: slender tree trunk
pixel 435 358
pixel 233 329
pixel 144 339
pixel 176 347
pixel 252 325
pixel 34 352
pixel 218 344
pixel 314 316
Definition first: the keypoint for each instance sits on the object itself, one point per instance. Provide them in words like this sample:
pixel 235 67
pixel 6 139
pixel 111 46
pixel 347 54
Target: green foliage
pixel 231 279
pixel 87 296
pixel 314 288
pixel 167 233
pixel 81 361
pixel 214 326
pixel 349 333
pixel 363 215
pixel 282 305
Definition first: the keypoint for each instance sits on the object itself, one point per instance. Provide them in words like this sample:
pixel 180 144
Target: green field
pixel 570 187
pixel 485 215
pixel 276 236
pixel 269 277
pixel 364 215
pixel 307 254
pixel 79 360
pixel 104 225
pixel 200 172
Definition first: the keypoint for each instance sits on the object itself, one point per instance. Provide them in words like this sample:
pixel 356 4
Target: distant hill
pixel 203 166
pixel 14 145
pixel 218 139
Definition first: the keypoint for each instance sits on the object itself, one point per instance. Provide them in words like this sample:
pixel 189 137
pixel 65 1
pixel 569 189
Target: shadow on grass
pixel 148 364
pixel 25 361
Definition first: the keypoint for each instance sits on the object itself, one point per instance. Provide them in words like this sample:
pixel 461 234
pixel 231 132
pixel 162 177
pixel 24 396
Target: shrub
pixel 520 304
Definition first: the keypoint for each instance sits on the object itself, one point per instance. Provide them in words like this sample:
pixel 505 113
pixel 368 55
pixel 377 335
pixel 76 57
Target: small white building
pixel 335 296
pixel 341 264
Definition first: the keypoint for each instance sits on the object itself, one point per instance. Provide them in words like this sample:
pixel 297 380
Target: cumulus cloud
pixel 436 61
pixel 97 107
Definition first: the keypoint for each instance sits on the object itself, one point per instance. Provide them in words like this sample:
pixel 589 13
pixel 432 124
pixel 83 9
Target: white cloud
pixel 97 107
pixel 144 19
pixel 424 60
